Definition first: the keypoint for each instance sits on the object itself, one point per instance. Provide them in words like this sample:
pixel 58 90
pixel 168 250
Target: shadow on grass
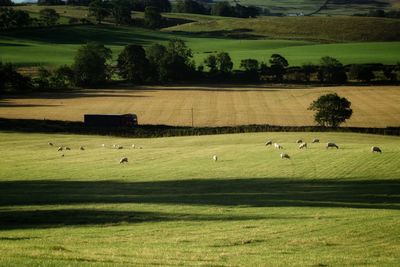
pixel 373 194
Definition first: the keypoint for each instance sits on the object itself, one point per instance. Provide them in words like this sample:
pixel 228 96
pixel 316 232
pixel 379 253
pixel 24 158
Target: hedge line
pixel 146 131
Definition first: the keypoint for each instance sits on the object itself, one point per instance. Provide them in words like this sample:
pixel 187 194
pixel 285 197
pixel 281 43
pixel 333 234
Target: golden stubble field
pixel 373 106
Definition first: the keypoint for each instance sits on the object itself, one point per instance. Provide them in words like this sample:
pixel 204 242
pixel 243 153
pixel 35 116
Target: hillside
pixel 326 29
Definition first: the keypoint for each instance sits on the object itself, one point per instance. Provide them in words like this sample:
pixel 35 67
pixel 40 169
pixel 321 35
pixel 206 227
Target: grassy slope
pixel 213 106
pixel 58 46
pixel 331 29
pixel 171 205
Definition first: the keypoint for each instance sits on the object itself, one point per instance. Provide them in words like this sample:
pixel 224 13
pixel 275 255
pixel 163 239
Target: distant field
pixel 58 46
pixel 212 106
pixel 328 29
pixel 173 205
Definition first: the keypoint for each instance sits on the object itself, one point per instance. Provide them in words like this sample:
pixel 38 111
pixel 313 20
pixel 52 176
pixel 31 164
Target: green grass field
pixel 58 46
pixel 173 205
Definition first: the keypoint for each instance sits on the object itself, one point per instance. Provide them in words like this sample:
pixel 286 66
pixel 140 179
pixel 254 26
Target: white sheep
pixel 215 158
pixel 133 146
pixel 315 140
pixel 268 143
pixel 60 148
pixel 278 146
pixel 376 149
pixel 328 145
pixel 123 160
pixel 299 141
pixel 303 145
pixel 81 148
pixel 284 156
pixel 103 145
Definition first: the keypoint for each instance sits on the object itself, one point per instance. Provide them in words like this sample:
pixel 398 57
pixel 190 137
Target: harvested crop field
pixel 374 106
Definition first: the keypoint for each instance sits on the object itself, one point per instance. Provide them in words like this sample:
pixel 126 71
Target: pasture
pixel 171 204
pixel 373 106
pixel 57 46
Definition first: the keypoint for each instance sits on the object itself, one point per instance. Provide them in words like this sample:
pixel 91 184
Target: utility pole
pixel 192 119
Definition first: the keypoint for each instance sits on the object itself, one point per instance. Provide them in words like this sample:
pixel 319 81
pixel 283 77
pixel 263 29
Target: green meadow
pixel 57 46
pixel 171 204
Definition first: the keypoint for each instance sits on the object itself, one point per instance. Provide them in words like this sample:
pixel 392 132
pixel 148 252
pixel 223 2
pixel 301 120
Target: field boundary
pixel 148 131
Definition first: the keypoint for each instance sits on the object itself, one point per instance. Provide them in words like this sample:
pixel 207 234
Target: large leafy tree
pixel 133 65
pixel 90 64
pixel 278 66
pixel 121 11
pixel 331 71
pixel 99 9
pixel 211 63
pixel 224 63
pixel 49 16
pixel 331 110
pixel 152 17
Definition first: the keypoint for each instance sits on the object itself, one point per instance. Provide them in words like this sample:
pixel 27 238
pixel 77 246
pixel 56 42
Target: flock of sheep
pixel 302 145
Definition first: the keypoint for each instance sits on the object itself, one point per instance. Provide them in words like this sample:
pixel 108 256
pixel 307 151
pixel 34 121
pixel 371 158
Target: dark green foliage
pixel 331 71
pixel 133 65
pixel 49 16
pixel 78 2
pixel 278 67
pixel 161 5
pixel 6 3
pixel 152 17
pixel 171 63
pixel 224 63
pixel 361 73
pixel 50 2
pixel 211 63
pixel 390 72
pixel 90 64
pixel 307 70
pixel 12 81
pixel 191 6
pixel 249 65
pixel 99 9
pixel 60 78
pixel 222 8
pixel 121 11
pixel 10 18
pixel 331 110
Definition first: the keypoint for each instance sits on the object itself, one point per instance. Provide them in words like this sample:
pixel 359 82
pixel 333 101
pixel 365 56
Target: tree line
pixel 93 66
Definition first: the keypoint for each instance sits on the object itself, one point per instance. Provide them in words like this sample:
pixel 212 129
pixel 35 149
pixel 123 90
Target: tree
pixel 133 65
pixel 361 73
pixel 99 9
pixel 331 110
pixel 121 11
pixel 190 6
pixel 224 63
pixel 331 71
pixel 90 64
pixel 250 65
pixel 211 63
pixel 50 2
pixel 10 18
pixel 49 16
pixel 278 66
pixel 152 17
pixel 6 3
pixel 12 81
pixel 222 9
pixel 307 70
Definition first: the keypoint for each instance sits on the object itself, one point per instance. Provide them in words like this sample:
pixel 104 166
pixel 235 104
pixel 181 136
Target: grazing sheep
pixel 299 141
pixel 133 146
pixel 278 146
pixel 81 148
pixel 315 140
pixel 303 145
pixel 103 145
pixel 115 146
pixel 50 144
pixel 284 156
pixel 62 155
pixel 123 160
pixel 215 158
pixel 328 145
pixel 268 143
pixel 67 148
pixel 120 147
pixel 60 148
pixel 376 149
